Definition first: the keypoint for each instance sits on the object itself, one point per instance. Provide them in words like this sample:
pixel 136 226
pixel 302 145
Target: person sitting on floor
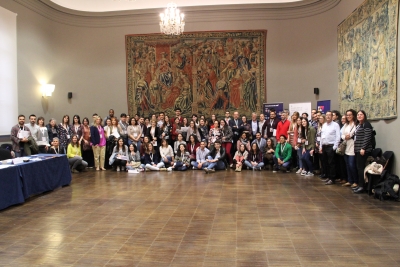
pixel 120 155
pixel 74 155
pixel 182 159
pixel 134 158
pixel 239 158
pixel 152 160
pixel 283 154
pixel 201 157
pixel 254 159
pixel 216 158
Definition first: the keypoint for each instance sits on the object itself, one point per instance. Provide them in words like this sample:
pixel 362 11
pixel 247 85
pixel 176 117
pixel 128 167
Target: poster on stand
pixel 323 106
pixel 278 107
pixel 300 108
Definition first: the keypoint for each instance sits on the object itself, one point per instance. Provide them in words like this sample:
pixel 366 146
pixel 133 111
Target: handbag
pixel 341 148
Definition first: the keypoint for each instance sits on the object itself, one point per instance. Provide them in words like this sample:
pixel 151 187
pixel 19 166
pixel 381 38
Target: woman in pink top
pixel 98 140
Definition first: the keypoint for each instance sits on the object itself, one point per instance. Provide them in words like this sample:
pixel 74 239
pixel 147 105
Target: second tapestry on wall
pixel 201 73
pixel 367 50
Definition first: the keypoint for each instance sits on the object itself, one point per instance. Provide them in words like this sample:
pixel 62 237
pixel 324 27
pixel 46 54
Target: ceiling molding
pixel 284 11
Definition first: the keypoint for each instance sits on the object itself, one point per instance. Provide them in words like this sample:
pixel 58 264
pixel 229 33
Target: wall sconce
pixel 47 89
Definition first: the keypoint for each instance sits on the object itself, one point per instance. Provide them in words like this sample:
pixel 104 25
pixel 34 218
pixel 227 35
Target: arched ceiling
pixel 121 5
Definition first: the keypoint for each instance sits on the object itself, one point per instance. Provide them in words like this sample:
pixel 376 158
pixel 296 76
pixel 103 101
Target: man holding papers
pixel 19 136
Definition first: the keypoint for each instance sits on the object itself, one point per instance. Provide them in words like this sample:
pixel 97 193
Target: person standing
pixel 98 139
pixel 282 127
pixel 330 138
pixel 134 132
pixel 110 116
pixel 235 126
pixel 64 131
pixel 87 151
pixel 52 129
pixel 43 136
pixel 19 137
pixel 348 132
pixel 77 127
pixel 272 124
pixel 123 124
pixel 362 147
pixel 33 127
pixel 307 147
pixel 226 140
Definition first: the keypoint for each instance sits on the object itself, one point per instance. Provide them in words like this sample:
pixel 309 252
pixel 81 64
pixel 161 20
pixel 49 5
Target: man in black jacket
pixel 216 158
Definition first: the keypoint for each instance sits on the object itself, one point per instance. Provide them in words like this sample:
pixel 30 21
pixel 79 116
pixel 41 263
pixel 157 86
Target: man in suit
pixel 254 125
pixel 234 123
pixel 271 125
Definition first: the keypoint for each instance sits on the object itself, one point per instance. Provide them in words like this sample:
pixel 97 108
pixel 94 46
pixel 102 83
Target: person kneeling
pixel 240 157
pixel 216 158
pixel 182 159
pixel 201 157
pixel 255 158
pixel 152 160
pixel 283 154
pixel 120 155
pixel 74 156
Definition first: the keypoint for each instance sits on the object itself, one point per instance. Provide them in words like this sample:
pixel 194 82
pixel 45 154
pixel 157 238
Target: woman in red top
pixel 192 146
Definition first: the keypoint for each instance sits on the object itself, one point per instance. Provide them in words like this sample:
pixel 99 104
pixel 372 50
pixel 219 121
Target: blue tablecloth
pixel 10 187
pixel 19 182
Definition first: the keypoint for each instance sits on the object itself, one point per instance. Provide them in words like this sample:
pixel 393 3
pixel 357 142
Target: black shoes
pixel 359 190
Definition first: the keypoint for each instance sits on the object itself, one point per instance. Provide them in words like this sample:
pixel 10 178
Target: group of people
pixel 160 143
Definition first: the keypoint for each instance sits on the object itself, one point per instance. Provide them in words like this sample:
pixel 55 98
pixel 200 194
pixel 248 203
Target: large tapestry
pixel 201 73
pixel 367 50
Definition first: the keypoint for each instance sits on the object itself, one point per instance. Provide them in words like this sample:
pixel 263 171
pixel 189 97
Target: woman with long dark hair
pixel 52 129
pixel 64 131
pixel 152 160
pixel 75 156
pixel 134 131
pixel 77 127
pixel 120 156
pixel 254 159
pixel 307 139
pixel 192 146
pixel 134 158
pixel 182 159
pixel 348 131
pixel 214 135
pixel 240 157
pixel 43 136
pixel 362 147
pixel 166 153
pixel 87 152
pixel 269 153
pixel 226 139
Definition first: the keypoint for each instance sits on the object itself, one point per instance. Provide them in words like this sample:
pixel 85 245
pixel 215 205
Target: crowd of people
pixel 305 144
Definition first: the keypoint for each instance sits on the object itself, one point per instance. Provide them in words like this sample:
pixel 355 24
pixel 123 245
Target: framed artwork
pixel 367 51
pixel 201 73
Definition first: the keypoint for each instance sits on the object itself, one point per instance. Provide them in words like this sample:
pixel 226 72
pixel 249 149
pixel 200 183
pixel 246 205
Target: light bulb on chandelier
pixel 171 21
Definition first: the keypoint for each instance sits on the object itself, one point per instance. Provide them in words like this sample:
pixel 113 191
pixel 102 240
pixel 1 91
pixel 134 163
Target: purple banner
pixel 323 106
pixel 267 107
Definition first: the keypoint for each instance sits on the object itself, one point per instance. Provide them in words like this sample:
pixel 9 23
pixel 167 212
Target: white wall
pixel 90 62
pixel 8 69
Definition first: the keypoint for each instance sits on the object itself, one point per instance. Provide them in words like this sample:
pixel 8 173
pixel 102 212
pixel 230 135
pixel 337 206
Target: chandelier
pixel 172 22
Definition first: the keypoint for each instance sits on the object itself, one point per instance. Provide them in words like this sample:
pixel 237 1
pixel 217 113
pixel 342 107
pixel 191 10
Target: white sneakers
pixel 169 169
pixel 118 169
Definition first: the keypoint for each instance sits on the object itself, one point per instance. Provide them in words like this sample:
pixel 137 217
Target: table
pixel 19 182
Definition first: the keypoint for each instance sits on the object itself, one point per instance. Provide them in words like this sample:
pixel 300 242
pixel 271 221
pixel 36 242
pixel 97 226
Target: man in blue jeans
pixel 283 154
pixel 216 158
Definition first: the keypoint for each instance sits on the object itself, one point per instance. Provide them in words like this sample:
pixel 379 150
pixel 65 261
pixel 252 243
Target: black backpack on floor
pixel 384 190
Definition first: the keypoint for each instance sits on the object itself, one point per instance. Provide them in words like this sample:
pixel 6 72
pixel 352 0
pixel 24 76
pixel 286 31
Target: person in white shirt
pixel 166 153
pixel 33 127
pixel 201 157
pixel 254 125
pixel 330 138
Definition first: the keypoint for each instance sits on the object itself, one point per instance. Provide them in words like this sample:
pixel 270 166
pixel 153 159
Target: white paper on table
pixel 18 160
pixel 4 166
pixel 133 171
pixel 43 143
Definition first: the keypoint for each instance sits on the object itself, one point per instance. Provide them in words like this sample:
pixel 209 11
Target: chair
pixel 377 152
pixel 5 154
pixel 374 179
pixel 7 146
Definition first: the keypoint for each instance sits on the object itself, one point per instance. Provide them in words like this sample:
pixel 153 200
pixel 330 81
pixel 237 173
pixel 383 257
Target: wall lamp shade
pixel 47 89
